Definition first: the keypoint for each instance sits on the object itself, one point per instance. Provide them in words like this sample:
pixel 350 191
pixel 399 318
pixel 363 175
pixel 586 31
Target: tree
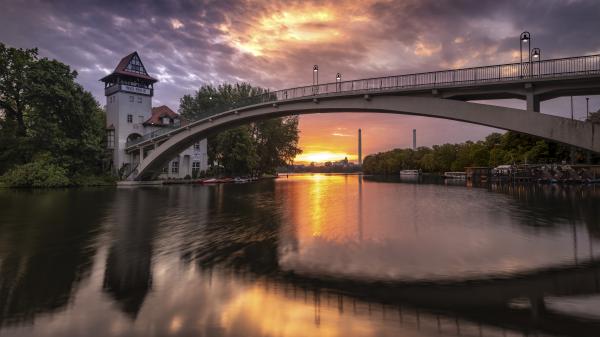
pixel 209 100
pixel 496 149
pixel 265 145
pixel 44 113
pixel 235 151
pixel 276 142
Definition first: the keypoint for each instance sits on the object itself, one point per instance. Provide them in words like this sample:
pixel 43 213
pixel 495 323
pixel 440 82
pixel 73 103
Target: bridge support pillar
pixel 533 103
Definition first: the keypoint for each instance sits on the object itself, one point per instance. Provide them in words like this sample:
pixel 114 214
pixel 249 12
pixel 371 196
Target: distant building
pixel 130 115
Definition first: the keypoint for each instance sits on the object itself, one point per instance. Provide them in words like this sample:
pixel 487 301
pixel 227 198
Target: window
pixel 195 168
pixel 110 139
pixel 135 65
pixel 139 99
pixel 165 169
pixel 175 167
pixel 197 146
pixel 129 118
pixel 131 98
pixel 140 119
pixel 165 120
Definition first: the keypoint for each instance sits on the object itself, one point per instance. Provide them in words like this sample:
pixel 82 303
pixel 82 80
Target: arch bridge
pixel 441 94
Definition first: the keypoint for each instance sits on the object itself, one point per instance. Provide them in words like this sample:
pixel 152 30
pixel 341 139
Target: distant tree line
pixel 253 149
pixel 51 129
pixel 496 149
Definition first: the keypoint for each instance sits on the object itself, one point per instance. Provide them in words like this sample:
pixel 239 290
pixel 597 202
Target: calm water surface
pixel 306 255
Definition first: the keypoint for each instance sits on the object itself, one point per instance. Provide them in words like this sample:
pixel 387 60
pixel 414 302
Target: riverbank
pixel 203 181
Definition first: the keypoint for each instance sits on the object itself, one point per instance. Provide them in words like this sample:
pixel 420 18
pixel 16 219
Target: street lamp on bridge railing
pixel 536 56
pixel 587 108
pixel 525 38
pixel 315 78
pixel 338 82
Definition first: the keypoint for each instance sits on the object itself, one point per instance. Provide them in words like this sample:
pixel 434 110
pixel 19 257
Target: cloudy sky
pixel 274 44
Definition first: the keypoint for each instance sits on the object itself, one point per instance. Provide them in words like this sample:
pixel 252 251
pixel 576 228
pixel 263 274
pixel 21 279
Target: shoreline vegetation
pixel 497 149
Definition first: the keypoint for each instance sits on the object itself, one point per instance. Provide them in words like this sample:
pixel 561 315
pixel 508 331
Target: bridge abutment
pixel 533 102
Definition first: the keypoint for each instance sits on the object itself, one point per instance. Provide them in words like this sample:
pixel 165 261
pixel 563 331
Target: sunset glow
pixel 322 157
pixel 299 24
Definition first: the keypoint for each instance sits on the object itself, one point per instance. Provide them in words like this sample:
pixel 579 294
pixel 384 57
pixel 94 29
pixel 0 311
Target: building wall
pixel 121 104
pixel 185 162
pixel 118 106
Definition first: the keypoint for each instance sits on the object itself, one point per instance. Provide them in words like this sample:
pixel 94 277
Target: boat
pixel 410 173
pixel 239 180
pixel 455 175
pixel 217 181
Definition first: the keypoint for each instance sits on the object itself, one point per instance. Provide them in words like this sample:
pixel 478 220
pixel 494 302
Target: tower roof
pixel 130 66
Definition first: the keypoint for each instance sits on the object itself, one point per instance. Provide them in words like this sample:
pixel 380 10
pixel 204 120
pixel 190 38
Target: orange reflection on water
pixel 321 207
pixel 271 314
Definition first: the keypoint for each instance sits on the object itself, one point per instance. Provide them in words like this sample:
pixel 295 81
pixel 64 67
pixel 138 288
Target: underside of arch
pixel 550 127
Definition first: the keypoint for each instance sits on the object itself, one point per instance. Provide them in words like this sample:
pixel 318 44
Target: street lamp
pixel 525 38
pixel 587 107
pixel 338 81
pixel 536 55
pixel 315 77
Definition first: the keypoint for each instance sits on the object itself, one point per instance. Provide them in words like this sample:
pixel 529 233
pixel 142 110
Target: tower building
pixel 129 115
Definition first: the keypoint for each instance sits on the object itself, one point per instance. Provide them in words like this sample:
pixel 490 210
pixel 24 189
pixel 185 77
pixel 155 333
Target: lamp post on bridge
pixel 315 78
pixel 536 55
pixel 587 107
pixel 338 82
pixel 525 38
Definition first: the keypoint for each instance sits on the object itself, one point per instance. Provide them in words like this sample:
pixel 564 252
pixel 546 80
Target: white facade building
pixel 130 115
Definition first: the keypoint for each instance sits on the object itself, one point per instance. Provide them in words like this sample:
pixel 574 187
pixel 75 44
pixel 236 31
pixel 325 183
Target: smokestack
pixel 414 139
pixel 359 147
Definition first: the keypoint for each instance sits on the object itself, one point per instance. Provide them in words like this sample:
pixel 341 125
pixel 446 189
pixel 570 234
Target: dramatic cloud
pixel 275 43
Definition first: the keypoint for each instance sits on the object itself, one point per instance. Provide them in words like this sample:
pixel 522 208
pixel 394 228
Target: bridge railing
pixel 546 69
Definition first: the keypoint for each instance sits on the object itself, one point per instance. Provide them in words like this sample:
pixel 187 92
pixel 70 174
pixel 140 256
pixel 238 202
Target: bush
pixel 92 180
pixel 39 173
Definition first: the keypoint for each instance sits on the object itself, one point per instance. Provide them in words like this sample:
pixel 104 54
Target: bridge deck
pixel 552 70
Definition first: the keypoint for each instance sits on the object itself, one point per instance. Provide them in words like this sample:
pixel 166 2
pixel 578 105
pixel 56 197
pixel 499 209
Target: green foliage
pixel 276 143
pixel 39 173
pixel 43 110
pixel 256 148
pixel 496 149
pixel 235 152
pixel 93 180
pixel 209 99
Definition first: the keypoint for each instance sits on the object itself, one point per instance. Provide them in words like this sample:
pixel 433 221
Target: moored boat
pixel 455 175
pixel 410 173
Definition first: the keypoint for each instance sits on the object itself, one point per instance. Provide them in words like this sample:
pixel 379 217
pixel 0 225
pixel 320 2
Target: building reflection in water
pixel 128 274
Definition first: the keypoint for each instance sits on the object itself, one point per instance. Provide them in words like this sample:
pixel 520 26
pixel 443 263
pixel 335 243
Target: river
pixel 301 255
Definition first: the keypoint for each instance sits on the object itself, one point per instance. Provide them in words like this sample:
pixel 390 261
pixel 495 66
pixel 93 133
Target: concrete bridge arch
pixel 163 148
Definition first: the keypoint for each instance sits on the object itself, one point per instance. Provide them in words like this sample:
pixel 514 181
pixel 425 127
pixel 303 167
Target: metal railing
pixel 128 170
pixel 546 69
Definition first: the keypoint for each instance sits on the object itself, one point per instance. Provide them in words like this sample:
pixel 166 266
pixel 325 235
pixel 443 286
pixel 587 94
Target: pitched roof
pixel 130 65
pixel 158 113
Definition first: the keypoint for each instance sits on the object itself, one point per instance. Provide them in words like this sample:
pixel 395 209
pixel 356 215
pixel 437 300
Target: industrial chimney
pixel 359 147
pixel 414 139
